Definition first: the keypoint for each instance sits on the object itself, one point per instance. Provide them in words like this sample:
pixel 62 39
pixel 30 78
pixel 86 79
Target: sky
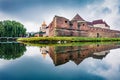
pixel 31 13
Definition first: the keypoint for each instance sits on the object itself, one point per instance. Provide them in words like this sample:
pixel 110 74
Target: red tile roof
pixel 100 21
pixel 78 18
pixel 89 23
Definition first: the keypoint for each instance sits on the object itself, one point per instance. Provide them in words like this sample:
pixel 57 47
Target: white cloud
pixel 4 16
pixel 108 67
pixel 111 16
pixel 32 17
pixel 3 63
pixel 29 25
pixel 112 60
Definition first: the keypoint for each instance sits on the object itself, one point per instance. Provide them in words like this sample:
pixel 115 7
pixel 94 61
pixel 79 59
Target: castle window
pixel 83 24
pixel 98 35
pixel 98 45
pixel 78 25
pixel 65 21
pixel 70 25
pixel 71 33
pixel 62 34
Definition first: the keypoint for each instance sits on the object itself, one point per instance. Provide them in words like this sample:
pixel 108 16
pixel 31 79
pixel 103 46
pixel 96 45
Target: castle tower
pixel 44 55
pixel 44 51
pixel 43 27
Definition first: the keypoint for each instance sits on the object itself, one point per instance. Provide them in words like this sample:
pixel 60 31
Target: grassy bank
pixel 65 39
pixel 72 44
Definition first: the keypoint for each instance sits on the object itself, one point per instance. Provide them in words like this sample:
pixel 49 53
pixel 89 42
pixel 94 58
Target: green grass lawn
pixel 72 44
pixel 65 39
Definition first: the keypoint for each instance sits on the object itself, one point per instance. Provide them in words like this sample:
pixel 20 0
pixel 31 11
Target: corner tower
pixel 43 27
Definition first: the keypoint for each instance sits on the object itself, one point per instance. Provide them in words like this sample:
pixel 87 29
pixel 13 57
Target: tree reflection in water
pixel 11 50
pixel 63 54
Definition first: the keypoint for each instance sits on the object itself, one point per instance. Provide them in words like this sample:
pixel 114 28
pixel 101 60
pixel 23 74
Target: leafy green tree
pixel 11 29
pixel 2 30
pixel 11 50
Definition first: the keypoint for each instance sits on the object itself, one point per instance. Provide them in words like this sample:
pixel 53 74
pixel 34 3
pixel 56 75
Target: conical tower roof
pixel 44 24
pixel 78 18
pixel 44 55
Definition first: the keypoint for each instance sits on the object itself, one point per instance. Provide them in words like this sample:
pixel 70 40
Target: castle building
pixel 44 29
pixel 61 26
pixel 63 54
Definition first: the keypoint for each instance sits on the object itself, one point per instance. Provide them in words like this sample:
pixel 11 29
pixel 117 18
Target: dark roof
pixel 41 32
pixel 89 23
pixel 106 24
pixel 100 21
pixel 78 18
pixel 61 17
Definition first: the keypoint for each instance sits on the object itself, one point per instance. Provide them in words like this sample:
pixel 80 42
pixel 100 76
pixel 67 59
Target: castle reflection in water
pixel 63 54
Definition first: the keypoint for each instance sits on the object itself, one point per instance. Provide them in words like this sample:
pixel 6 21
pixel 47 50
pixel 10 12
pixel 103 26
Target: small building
pixel 37 34
pixel 30 34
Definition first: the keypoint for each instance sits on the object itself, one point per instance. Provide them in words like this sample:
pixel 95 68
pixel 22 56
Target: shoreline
pixel 65 39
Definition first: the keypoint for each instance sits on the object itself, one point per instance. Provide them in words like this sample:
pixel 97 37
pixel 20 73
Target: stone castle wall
pixel 62 54
pixel 61 26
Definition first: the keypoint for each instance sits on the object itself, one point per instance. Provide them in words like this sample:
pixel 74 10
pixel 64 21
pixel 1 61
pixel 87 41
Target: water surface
pixel 93 61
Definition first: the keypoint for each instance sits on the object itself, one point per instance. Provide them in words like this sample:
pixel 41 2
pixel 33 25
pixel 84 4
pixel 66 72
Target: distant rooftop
pixel 100 21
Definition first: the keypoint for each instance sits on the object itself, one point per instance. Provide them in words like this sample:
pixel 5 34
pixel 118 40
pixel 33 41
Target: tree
pixel 11 50
pixel 1 29
pixel 11 29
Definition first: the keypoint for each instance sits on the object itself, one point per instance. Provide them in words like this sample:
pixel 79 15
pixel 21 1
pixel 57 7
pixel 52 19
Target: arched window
pixel 71 33
pixel 70 25
pixel 78 25
pixel 83 24
pixel 65 21
pixel 98 35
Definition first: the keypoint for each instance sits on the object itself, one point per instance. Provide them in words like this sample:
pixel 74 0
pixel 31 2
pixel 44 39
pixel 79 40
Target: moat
pixel 77 61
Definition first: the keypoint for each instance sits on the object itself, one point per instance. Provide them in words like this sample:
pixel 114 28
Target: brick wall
pixel 62 54
pixel 61 26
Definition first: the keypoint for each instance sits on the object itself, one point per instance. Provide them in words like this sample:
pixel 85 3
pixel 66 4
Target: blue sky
pixel 32 12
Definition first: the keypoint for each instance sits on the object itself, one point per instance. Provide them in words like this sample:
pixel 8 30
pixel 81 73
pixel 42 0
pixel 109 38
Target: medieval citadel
pixel 61 26
pixel 63 54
